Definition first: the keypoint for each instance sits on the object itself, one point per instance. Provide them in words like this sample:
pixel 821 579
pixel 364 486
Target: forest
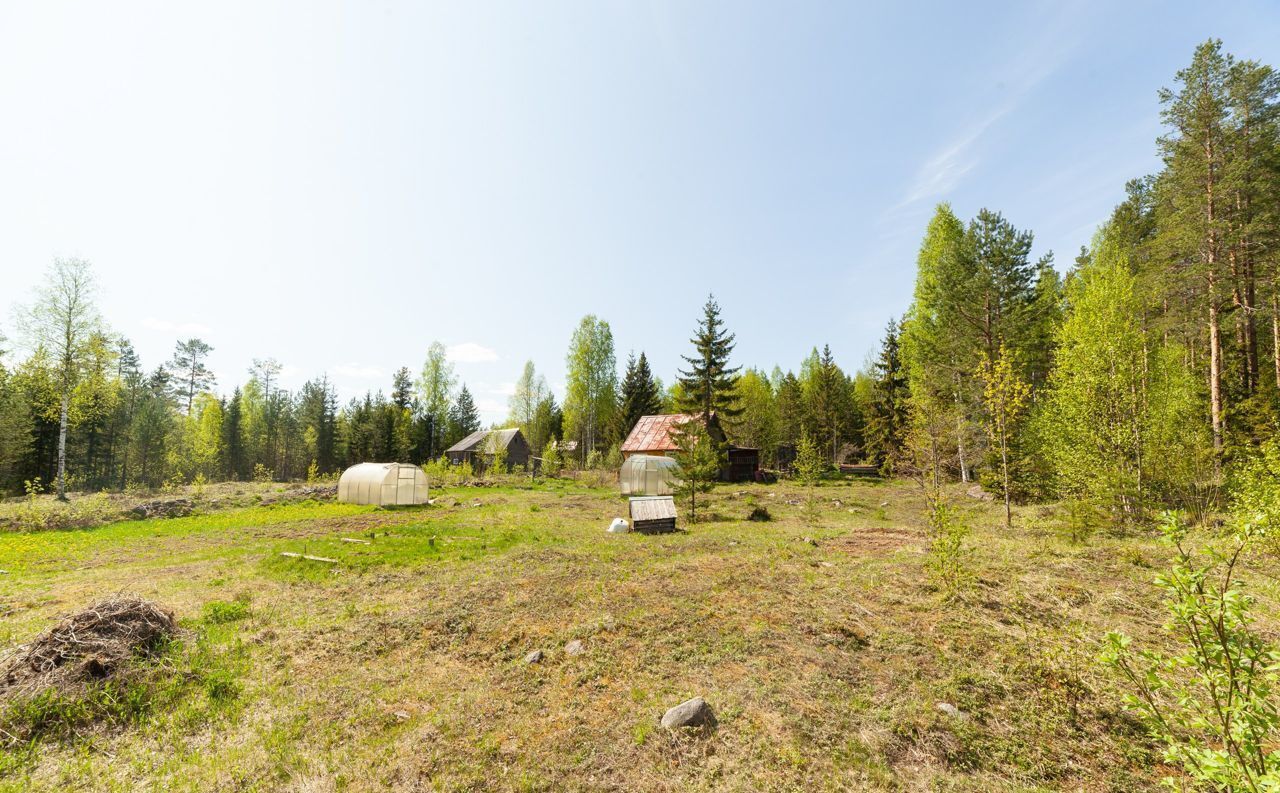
pixel 1131 383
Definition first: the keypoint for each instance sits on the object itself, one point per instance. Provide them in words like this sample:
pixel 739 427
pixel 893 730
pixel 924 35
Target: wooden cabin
pixel 479 448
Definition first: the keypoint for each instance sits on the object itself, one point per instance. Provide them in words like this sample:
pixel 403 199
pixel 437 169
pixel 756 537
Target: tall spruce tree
pixel 464 419
pixel 640 395
pixel 707 386
pixel 887 411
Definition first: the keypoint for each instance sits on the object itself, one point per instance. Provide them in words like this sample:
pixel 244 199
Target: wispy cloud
pixel 470 352
pixel 1019 75
pixel 181 328
pixel 492 408
pixel 942 172
pixel 358 371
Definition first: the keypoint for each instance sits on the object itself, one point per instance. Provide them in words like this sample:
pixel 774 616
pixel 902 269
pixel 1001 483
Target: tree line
pixel 1141 378
pixel 81 410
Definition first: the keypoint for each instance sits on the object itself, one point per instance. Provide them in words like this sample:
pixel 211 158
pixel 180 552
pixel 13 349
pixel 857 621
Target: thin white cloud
pixel 470 352
pixel 181 328
pixel 1022 73
pixel 492 408
pixel 504 389
pixel 942 172
pixel 358 371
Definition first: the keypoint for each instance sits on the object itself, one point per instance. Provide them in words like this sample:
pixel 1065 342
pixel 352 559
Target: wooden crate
pixel 653 514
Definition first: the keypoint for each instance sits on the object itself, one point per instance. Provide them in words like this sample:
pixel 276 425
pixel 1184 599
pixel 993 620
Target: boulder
pixel 691 713
pixel 977 492
pixel 575 647
pixel 952 711
pixel 535 657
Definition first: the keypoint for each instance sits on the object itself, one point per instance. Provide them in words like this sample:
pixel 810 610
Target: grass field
pixel 820 642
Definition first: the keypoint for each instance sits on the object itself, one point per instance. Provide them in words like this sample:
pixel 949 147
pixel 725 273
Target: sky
pixel 336 185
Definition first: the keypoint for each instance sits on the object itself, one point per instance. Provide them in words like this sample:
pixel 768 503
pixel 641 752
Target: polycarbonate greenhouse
pixel 648 475
pixel 383 484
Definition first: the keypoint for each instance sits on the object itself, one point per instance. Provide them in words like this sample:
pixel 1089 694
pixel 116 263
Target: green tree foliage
pixel 435 392
pixel 700 459
pixel 756 426
pixel 707 386
pixel 190 375
pixel 63 321
pixel 1005 397
pixel 887 403
pixel 810 466
pixel 641 395
pixel 463 418
pixel 591 396
pixel 1211 705
pixel 530 407
pixel 829 411
pixel 1119 422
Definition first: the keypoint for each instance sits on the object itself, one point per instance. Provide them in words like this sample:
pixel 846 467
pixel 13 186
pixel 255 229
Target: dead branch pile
pixel 90 645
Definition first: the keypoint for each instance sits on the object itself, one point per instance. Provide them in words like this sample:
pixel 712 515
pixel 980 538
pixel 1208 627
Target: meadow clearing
pixel 830 656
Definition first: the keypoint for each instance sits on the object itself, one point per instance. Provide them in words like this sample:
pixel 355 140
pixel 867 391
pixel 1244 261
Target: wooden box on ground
pixel 653 514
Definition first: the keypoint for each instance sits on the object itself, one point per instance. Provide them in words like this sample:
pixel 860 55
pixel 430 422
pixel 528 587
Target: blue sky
pixel 336 185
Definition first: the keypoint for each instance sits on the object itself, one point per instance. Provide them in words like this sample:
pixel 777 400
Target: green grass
pixel 400 665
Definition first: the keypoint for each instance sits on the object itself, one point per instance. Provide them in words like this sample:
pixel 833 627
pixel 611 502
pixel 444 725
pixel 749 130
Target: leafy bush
pixel 1212 705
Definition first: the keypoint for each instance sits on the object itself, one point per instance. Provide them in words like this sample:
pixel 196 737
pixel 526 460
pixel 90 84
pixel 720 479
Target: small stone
pixel 810 541
pixel 952 711
pixel 574 647
pixel 884 504
pixel 693 713
pixel 535 657
pixel 401 715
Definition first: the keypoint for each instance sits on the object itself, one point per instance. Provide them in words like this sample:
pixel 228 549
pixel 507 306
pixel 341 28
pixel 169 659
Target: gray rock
pixel 979 493
pixel 535 657
pixel 693 713
pixel 952 711
pixel 574 647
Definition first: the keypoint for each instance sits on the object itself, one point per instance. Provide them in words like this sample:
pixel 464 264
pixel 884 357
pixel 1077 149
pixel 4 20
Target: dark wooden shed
pixel 478 448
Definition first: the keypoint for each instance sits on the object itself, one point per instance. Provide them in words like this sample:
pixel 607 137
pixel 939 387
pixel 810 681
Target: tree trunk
pixel 1275 335
pixel 62 446
pixel 1215 371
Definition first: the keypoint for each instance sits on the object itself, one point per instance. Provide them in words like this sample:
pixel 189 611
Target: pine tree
pixel 707 387
pixel 402 389
pixel 700 459
pixel 191 375
pixel 464 419
pixel 234 461
pixel 640 395
pixel 887 413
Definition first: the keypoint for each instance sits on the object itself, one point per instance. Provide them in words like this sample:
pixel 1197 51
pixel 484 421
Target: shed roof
pixel 653 433
pixel 652 508
pixel 491 439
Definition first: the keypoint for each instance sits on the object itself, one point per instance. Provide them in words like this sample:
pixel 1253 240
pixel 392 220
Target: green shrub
pixel 1211 705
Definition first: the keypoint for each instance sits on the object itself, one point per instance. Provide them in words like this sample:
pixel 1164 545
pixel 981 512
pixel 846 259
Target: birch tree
pixel 62 321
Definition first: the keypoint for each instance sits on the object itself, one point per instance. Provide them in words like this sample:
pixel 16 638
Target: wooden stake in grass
pixel 308 557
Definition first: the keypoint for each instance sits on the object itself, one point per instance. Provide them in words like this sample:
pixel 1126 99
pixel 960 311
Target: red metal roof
pixel 653 433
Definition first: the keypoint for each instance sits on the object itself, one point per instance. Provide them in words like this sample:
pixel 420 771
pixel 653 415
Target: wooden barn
pixel 478 448
pixel 652 435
